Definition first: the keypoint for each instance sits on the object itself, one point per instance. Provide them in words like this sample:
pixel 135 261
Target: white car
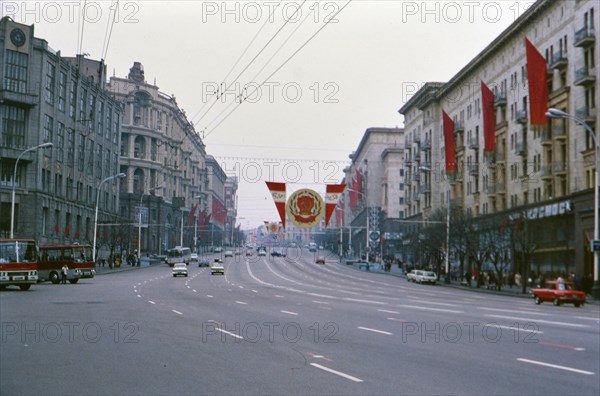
pixel 194 257
pixel 180 269
pixel 217 268
pixel 426 277
pixel 228 253
pixel 262 252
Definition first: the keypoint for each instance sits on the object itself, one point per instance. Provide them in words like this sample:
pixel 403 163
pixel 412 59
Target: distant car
pixel 426 277
pixel 217 267
pixel 179 269
pixel 249 252
pixel 203 262
pixel 262 252
pixel 320 260
pixel 218 249
pixel 559 292
pixel 278 252
pixel 228 253
pixel 194 257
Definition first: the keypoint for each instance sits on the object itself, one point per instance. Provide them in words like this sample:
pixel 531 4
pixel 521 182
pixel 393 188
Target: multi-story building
pixel 165 162
pixel 215 232
pixel 375 185
pixel 48 98
pixel 230 196
pixel 541 177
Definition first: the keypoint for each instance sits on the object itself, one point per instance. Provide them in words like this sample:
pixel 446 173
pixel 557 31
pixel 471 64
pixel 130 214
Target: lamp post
pixel 14 184
pixel 555 113
pixel 447 258
pixel 139 250
pixel 118 175
pixel 199 196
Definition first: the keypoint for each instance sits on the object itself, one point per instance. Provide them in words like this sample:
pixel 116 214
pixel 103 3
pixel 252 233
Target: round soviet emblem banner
pixel 305 208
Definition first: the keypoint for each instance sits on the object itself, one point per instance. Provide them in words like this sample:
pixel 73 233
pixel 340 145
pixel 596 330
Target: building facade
pixel 48 98
pixel 540 176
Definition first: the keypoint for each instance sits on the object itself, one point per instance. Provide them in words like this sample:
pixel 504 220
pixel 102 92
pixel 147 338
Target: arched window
pixel 138 181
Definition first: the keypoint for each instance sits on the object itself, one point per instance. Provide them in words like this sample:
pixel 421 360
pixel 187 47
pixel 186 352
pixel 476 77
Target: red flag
pixel 56 228
pixel 449 143
pixel 218 211
pixel 191 216
pixel 333 194
pixel 538 88
pixel 77 234
pixel 68 230
pixel 278 193
pixel 487 100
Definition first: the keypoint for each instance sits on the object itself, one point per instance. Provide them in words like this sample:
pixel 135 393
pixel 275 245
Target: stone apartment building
pixel 48 98
pixel 541 178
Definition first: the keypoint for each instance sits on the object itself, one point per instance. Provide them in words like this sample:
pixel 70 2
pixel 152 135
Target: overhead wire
pixel 280 67
pixel 257 55
pixel 108 34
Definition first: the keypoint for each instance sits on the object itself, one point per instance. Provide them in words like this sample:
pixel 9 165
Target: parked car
pixel 412 275
pixel 179 269
pixel 426 277
pixel 320 260
pixel 559 292
pixel 217 267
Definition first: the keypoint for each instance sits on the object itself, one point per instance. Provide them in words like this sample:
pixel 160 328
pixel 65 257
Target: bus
pixel 77 257
pixel 179 254
pixel 18 263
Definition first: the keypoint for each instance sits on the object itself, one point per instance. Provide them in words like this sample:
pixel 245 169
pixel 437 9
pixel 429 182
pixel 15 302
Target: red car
pixel 320 260
pixel 558 292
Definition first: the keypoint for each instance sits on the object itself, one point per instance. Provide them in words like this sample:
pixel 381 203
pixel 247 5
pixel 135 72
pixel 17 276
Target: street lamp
pixel 118 175
pixel 555 113
pixel 14 181
pixel 139 255
pixel 447 258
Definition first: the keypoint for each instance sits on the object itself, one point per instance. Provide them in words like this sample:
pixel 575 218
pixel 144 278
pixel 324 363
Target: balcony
pixel 459 126
pixel 546 138
pixel 585 76
pixel 473 142
pixel 559 61
pixel 559 132
pixel 416 139
pixel 425 189
pixel 521 116
pixel 490 190
pixel 546 171
pixel 500 188
pixel 416 177
pixel 427 120
pixel 24 99
pixel 521 148
pixel 426 146
pixel 584 37
pixel 473 169
pixel 586 114
pixel 560 168
pixel 417 156
pixel 500 99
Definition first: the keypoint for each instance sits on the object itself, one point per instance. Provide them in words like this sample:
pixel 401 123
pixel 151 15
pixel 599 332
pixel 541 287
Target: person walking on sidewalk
pixel 64 272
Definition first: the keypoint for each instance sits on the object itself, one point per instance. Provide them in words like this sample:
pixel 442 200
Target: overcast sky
pixel 303 122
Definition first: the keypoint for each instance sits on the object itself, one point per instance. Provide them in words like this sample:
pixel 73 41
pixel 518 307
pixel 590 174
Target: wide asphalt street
pixel 288 326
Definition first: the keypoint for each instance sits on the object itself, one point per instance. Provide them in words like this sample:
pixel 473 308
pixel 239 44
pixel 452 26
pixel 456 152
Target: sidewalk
pixel 506 290
pixel 100 270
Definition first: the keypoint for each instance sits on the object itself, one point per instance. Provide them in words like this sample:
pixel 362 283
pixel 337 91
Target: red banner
pixel 219 213
pixel 333 194
pixel 489 122
pixel 278 193
pixel 449 143
pixel 538 88
pixel 191 216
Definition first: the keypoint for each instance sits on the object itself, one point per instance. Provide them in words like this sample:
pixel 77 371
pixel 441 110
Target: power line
pixel 280 67
pixel 109 33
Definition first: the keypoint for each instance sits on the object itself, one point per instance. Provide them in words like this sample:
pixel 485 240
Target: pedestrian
pixel 64 272
pixel 518 279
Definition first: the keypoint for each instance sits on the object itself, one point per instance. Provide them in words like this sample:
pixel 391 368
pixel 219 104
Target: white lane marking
pixel 188 287
pixel 388 311
pixel 151 302
pixel 177 312
pixel 194 290
pixel 288 312
pixel 279 296
pixel 320 302
pixel 209 296
pixel 327 308
pixel 513 311
pixel 375 330
pixel 433 303
pixel 241 287
pixel 254 291
pixel 430 309
pixel 396 319
pixel 139 296
pixel 229 333
pixel 241 302
pixel 574 370
pixel 343 375
pixel 364 301
pixel 587 318
pixel 320 295
pixel 514 328
pixel 538 321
